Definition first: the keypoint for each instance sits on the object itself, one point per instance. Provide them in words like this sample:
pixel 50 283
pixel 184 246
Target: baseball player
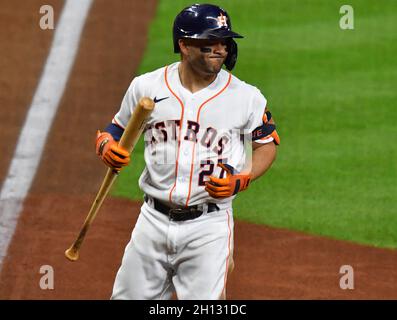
pixel 197 160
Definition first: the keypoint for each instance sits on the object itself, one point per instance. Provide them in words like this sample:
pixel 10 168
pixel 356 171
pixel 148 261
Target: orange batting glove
pixel 110 152
pixel 229 186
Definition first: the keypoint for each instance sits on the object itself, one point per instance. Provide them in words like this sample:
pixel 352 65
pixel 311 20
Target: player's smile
pixel 218 59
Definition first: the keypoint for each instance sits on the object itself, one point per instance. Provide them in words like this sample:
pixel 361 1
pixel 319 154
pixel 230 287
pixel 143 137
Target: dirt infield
pixel 24 48
pixel 270 263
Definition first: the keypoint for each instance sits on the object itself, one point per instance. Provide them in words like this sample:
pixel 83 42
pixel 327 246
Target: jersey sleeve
pixel 260 131
pixel 256 111
pixel 128 103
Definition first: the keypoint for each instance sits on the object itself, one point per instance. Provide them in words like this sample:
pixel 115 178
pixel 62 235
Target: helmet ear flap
pixel 176 45
pixel 231 54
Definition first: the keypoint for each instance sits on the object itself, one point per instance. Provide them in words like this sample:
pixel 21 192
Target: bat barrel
pixel 147 103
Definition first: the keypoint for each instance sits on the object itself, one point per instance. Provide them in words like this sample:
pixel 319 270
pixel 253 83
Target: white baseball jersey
pixel 189 133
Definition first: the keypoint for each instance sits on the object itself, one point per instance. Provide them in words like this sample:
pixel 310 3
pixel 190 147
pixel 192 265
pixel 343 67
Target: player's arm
pixel 108 149
pixel 263 155
pixel 106 144
pixel 265 139
pixel 264 149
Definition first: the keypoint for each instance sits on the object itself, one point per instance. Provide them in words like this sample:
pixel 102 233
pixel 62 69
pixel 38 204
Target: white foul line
pixel 41 113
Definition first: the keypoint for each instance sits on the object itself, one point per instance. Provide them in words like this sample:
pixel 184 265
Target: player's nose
pixel 219 47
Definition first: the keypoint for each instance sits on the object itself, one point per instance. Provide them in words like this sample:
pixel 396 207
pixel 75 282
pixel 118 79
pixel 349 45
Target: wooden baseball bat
pixel 128 141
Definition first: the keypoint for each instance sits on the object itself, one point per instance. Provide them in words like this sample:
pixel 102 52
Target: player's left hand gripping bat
pixel 128 141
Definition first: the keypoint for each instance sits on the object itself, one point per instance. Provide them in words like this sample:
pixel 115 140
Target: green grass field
pixel 333 95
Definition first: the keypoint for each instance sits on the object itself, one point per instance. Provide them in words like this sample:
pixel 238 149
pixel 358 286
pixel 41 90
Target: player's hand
pixel 229 186
pixel 110 152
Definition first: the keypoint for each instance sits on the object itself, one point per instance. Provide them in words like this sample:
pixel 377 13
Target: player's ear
pixel 183 47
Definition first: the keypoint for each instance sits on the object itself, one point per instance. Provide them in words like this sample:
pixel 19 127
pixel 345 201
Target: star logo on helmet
pixel 222 21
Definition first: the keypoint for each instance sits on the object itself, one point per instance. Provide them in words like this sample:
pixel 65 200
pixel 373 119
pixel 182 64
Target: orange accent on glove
pixel 110 152
pixel 229 186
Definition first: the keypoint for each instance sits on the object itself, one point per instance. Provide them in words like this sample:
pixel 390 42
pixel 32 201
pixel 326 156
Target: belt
pixel 180 213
